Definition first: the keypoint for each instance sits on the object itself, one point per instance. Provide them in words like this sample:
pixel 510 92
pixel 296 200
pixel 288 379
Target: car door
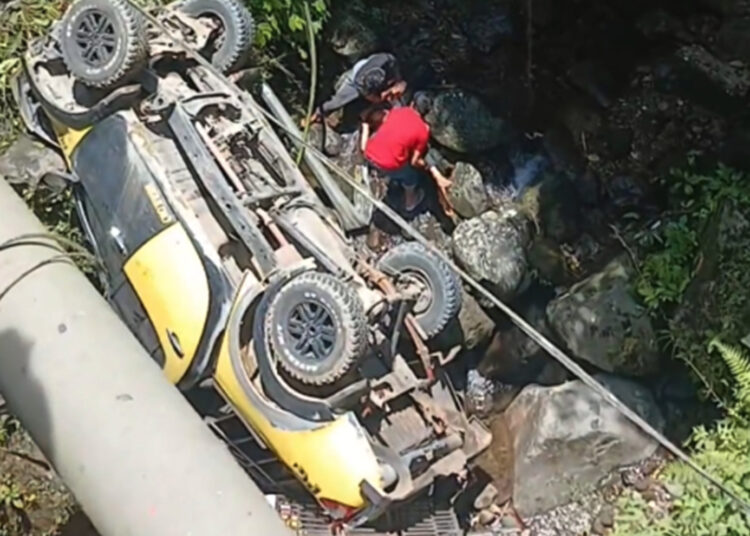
pixel 109 212
pixel 157 280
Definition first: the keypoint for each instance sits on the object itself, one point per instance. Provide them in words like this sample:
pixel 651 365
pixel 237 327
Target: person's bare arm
pixel 443 182
pixel 417 161
pixel 364 137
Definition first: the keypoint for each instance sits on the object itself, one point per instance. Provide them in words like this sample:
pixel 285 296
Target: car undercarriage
pixel 222 259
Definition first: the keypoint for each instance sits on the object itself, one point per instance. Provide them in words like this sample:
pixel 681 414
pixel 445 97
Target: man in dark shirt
pixel 376 79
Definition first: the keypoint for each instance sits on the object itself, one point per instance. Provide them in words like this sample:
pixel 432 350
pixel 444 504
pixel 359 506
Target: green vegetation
pixel 739 364
pixel 701 510
pixel 695 272
pixel 21 22
pixel 694 277
pixel 14 503
pixel 285 20
pixel 695 198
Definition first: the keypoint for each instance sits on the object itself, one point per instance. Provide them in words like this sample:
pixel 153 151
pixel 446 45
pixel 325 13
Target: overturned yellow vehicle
pixel 231 271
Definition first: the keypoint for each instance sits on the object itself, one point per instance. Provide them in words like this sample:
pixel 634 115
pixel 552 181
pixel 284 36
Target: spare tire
pixel 317 328
pixel 103 42
pixel 441 298
pixel 236 33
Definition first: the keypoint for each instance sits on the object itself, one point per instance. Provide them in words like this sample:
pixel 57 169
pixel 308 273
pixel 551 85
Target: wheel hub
pixel 424 295
pixel 218 32
pixel 96 37
pixel 311 330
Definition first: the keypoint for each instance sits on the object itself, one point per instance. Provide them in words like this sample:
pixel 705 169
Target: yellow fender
pixel 331 459
pixel 169 278
pixel 68 138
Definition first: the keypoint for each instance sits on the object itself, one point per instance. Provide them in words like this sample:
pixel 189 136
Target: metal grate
pixel 412 519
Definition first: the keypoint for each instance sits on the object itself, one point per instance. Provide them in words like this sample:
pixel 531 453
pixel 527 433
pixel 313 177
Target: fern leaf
pixel 739 364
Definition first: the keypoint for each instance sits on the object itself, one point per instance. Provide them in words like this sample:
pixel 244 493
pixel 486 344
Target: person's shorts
pixel 407 175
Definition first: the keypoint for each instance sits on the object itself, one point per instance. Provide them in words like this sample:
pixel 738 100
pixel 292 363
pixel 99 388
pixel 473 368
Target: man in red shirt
pixel 397 150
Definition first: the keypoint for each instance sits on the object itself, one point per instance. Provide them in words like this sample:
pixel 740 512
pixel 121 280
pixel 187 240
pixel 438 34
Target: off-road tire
pixel 238 27
pixel 125 35
pixel 444 285
pixel 345 322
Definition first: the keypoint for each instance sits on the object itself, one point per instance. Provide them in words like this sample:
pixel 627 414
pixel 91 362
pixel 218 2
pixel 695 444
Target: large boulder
pixel 492 248
pixel 476 325
pixel 733 79
pixel 326 140
pixel 27 161
pixel 433 230
pixel 600 322
pixel 462 123
pixel 553 204
pixel 472 329
pixel 566 439
pixel 352 38
pixel 547 259
pixel 467 195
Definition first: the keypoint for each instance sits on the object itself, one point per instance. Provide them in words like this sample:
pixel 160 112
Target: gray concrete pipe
pixel 136 456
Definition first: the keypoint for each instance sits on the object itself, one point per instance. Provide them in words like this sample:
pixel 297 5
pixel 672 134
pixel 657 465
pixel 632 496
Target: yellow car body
pixel 331 459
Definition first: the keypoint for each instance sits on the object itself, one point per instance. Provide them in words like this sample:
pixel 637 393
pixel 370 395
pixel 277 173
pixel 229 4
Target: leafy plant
pixel 666 274
pixel 696 269
pixel 21 22
pixel 14 504
pixel 698 509
pixel 694 278
pixel 284 20
pixel 739 364
pixel 724 451
pixel 672 248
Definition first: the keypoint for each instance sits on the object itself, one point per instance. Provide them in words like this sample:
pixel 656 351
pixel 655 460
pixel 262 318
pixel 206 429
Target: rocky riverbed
pixel 558 122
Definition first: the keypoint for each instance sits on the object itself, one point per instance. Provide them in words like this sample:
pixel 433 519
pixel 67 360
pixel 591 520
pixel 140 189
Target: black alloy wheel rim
pixel 312 331
pixel 96 38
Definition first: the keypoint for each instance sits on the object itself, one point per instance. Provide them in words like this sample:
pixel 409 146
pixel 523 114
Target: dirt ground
pixel 33 499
